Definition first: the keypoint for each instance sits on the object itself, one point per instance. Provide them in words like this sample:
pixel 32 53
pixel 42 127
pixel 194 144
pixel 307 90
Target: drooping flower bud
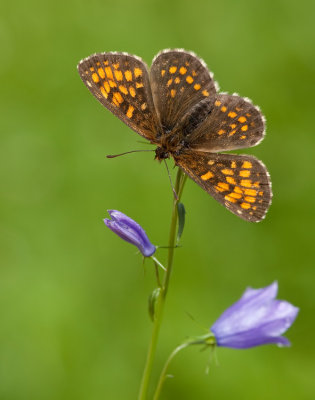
pixel 128 230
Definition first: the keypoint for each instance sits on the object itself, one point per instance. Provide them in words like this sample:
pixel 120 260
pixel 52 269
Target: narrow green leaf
pixel 181 220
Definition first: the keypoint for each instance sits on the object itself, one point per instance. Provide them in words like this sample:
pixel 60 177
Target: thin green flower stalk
pixel 207 340
pixel 160 302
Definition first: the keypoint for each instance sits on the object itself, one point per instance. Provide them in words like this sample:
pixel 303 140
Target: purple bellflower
pixel 127 229
pixel 256 319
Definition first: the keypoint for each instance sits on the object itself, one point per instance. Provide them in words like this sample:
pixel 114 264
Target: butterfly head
pixel 161 153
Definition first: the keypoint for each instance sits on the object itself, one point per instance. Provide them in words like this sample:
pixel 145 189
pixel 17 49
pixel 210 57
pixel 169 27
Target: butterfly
pixel 176 106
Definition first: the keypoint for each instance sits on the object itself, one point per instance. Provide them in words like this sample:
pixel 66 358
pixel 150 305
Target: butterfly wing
pixel 228 122
pixel 239 182
pixel 120 82
pixel 179 80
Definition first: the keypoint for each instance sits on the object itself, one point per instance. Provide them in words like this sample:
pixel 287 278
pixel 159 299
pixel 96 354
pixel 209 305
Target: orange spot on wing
pixel 246 206
pixel 230 198
pixel 247 164
pixel 250 192
pixel 109 73
pixel 128 75
pixel 115 102
pixel 177 80
pixel 130 111
pixel 245 173
pixel 207 176
pixel 197 86
pixel 237 189
pixel 118 97
pixel 189 79
pixel 230 180
pixel 223 108
pixel 182 70
pixel 227 171
pixel 221 131
pixel 173 93
pixel 118 75
pixel 242 119
pixel 101 73
pixel 169 82
pixel 223 185
pixel 139 85
pixel 163 72
pixel 132 91
pixel 250 199
pixel 104 93
pixel 217 103
pixel 116 65
pixel 233 164
pixel 95 77
pixel 137 72
pixel 244 128
pixel 236 195
pixel 205 93
pixel 173 69
pixel 123 89
pixel 246 182
pixel 232 114
pixel 112 83
pixel 107 87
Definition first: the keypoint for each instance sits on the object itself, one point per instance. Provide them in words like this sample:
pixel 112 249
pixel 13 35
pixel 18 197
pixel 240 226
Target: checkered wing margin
pixel 179 80
pixel 239 182
pixel 121 83
pixel 231 122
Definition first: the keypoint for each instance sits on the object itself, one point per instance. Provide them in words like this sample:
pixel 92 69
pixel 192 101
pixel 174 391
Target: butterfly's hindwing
pixel 179 81
pixel 121 83
pixel 232 123
pixel 239 182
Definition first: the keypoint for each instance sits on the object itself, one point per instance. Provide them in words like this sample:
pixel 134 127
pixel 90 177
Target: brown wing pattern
pixel 232 123
pixel 121 83
pixel 179 80
pixel 239 182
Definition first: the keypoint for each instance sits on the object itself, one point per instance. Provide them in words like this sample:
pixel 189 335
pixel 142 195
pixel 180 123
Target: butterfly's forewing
pixel 232 123
pixel 179 80
pixel 121 83
pixel 239 182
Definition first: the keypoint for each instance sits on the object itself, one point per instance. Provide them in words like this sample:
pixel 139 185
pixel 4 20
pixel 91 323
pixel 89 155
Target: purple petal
pixel 249 339
pixel 247 311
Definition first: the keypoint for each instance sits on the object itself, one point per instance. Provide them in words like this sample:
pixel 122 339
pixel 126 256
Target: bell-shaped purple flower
pixel 127 229
pixel 256 319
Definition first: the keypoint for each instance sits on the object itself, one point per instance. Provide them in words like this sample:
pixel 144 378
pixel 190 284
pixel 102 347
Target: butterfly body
pixel 176 106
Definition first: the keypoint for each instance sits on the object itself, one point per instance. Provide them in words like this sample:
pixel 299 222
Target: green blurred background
pixel 73 297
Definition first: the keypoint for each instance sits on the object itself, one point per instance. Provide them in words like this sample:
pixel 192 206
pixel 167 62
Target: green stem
pixel 164 370
pixel 179 185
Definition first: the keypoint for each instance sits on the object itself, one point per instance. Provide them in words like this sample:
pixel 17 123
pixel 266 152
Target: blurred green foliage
pixel 73 297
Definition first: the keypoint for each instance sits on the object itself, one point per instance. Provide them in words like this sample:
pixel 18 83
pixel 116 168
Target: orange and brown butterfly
pixel 176 106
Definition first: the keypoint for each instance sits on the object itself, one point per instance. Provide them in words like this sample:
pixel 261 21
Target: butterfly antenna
pixel 127 152
pixel 169 175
